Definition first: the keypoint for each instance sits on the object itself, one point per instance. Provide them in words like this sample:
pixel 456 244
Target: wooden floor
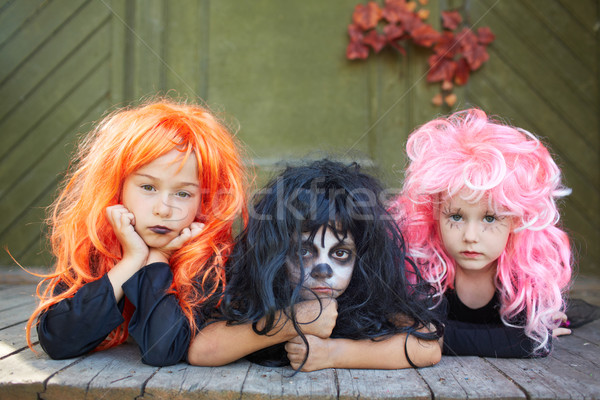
pixel 572 371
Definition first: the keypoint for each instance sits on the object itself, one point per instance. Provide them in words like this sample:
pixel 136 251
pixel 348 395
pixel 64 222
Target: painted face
pixel 164 196
pixel 328 264
pixel 473 235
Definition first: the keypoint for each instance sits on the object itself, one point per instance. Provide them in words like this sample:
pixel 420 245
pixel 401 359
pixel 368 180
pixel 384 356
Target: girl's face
pixel 164 196
pixel 328 264
pixel 473 235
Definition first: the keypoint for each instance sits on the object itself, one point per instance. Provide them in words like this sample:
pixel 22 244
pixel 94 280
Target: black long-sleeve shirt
pixel 481 332
pixel 77 325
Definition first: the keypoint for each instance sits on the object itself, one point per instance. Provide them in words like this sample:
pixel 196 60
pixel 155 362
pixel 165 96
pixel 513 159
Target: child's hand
pixel 319 355
pixel 123 224
pixel 561 330
pixel 164 253
pixel 311 323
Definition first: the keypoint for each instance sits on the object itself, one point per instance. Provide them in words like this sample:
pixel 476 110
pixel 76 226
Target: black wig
pixel 386 294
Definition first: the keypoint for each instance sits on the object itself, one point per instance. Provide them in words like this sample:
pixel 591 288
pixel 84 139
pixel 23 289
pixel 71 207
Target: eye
pixel 304 252
pixel 183 195
pixel 489 218
pixel 341 254
pixel 147 188
pixel 455 217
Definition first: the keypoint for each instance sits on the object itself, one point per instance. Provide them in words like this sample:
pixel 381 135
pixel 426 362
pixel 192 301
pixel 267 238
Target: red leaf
pixel 485 35
pixel 393 32
pixel 476 56
pixel 375 40
pixel 355 33
pixel 451 19
pixel 366 17
pixel 425 35
pixel 467 39
pixel 410 22
pixel 394 10
pixel 461 75
pixel 356 50
pixel 447 46
pixel 441 69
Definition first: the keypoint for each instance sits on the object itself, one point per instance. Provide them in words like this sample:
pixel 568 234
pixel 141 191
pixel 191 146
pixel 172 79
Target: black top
pixel 77 325
pixel 481 332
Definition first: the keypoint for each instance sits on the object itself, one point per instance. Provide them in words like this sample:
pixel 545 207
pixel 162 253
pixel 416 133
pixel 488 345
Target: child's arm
pixel 348 353
pixel 219 344
pixel 158 324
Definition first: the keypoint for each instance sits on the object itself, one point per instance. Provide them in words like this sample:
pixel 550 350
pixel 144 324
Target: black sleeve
pixel 77 325
pixel 469 339
pixel 158 324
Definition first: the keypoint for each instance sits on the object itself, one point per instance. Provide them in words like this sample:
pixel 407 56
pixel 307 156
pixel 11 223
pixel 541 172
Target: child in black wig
pixel 319 277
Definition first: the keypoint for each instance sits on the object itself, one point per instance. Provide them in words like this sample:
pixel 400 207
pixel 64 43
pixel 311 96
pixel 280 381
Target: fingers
pixel 119 216
pixel 560 332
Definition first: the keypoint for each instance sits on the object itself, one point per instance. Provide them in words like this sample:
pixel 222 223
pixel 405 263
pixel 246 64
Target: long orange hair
pixel 82 239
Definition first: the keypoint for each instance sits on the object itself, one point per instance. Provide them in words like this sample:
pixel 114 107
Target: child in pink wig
pixel 478 209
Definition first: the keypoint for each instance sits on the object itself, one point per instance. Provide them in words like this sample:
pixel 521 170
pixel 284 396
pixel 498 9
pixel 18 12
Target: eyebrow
pixel 156 179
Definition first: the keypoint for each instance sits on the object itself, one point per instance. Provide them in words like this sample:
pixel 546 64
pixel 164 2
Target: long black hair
pixel 386 294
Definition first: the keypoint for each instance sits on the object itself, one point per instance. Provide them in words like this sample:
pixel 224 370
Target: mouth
pixel 159 229
pixel 470 254
pixel 323 290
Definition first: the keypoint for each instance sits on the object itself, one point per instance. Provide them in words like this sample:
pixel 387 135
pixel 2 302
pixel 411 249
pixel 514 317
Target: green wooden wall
pixel 276 70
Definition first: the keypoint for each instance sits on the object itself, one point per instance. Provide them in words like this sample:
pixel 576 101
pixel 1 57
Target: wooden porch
pixel 572 371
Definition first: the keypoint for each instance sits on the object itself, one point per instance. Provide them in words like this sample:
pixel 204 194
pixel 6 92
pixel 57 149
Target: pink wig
pixel 483 159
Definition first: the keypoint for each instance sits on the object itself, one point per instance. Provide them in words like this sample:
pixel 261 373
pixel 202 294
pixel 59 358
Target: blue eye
pixel 455 217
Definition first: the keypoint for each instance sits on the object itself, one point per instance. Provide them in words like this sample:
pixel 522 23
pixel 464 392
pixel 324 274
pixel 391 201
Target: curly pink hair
pixel 470 153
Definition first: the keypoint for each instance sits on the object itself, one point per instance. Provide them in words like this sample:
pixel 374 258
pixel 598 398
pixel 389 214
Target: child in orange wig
pixel 140 232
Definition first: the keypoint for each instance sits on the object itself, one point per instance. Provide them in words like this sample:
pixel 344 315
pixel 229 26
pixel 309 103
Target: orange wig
pixel 82 239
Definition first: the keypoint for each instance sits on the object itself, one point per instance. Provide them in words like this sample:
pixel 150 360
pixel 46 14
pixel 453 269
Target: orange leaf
pixel 425 35
pixel 441 69
pixel 356 50
pixel 461 76
pixel 437 100
pixel 366 17
pixel 485 35
pixel 423 2
pixel 450 99
pixel 451 19
pixel 375 40
pixel 423 14
pixel 447 85
pixel 411 6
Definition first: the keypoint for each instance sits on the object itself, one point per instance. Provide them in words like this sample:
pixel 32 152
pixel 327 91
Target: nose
pixel 162 208
pixel 321 271
pixel 471 233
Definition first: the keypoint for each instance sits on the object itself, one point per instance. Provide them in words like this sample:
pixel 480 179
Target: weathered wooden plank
pixel 583 11
pixel 81 30
pixel 58 85
pixel 539 378
pixel 16 314
pixel 119 59
pixel 578 38
pixel 115 373
pixel 16 296
pixel 524 63
pixel 22 375
pixel 13 339
pixel 580 351
pixel 34 33
pixel 468 377
pixel 184 381
pixel 545 45
pixel 13 16
pixel 278 383
pixel 148 47
pixel 590 332
pixel 377 384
